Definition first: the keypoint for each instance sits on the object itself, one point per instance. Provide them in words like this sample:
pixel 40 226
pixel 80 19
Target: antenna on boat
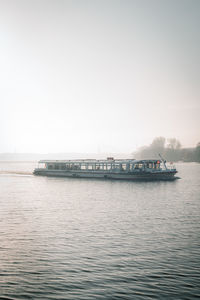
pixel 163 160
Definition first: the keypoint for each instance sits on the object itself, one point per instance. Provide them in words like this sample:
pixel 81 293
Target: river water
pixel 68 238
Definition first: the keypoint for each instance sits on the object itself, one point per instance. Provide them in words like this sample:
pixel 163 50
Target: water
pixel 65 238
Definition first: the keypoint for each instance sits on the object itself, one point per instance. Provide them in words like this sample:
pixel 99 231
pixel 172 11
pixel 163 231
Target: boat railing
pixel 171 166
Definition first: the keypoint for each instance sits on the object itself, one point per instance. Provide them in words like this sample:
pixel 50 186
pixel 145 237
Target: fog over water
pixel 91 79
pixel 98 76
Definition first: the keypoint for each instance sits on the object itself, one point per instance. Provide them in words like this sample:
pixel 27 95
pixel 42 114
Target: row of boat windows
pixel 102 166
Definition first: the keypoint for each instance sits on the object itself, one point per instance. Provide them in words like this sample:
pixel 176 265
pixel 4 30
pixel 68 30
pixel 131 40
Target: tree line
pixel 170 149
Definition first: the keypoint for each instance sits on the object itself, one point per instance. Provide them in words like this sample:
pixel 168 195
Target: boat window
pixel 83 166
pixel 115 166
pixel 90 167
pixel 63 166
pixel 76 166
pixel 56 166
pixel 97 167
pixel 140 166
pixel 50 167
pixel 131 167
pixel 123 167
pixel 108 166
pixel 42 165
pixel 101 166
pixel 136 166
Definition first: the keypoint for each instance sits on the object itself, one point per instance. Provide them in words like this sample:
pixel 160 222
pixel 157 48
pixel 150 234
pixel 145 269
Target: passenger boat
pixel 127 169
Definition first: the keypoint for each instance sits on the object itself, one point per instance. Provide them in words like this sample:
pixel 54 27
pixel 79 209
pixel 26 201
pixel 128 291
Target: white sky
pixel 88 76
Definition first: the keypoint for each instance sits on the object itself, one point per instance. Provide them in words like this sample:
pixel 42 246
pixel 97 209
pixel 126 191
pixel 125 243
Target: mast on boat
pixel 163 161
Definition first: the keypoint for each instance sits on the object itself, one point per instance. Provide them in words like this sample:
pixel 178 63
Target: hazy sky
pixel 97 75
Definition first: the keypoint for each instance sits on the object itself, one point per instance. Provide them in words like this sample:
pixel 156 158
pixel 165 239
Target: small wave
pixel 20 173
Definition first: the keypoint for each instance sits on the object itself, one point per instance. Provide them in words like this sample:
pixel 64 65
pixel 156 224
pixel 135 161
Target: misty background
pixel 98 76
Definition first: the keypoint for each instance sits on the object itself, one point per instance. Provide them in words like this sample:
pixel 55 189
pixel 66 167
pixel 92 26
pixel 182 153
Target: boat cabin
pixel 109 165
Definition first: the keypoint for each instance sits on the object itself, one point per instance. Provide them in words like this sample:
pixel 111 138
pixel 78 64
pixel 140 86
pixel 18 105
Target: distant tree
pixel 171 152
pixel 152 151
pixel 157 146
pixel 142 153
pixel 188 154
pixel 158 143
pixel 197 153
pixel 174 144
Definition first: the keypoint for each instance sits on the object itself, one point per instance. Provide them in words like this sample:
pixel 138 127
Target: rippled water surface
pixel 65 238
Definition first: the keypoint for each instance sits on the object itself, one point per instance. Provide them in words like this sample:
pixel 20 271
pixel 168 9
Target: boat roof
pixel 122 161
